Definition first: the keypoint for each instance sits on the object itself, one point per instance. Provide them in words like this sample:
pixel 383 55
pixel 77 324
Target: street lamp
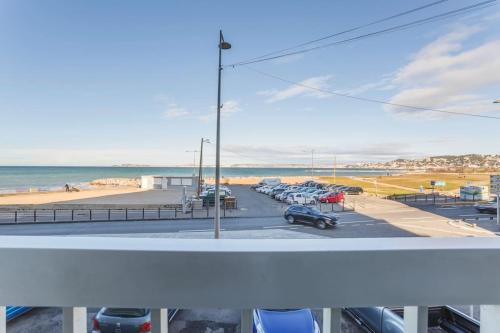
pixel 200 172
pixel 194 160
pixel 223 45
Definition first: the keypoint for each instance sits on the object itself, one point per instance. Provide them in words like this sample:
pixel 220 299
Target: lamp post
pixel 223 45
pixel 200 172
pixel 312 164
pixel 194 160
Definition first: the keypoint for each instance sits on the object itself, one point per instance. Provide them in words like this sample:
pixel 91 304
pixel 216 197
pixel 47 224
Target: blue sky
pixel 111 82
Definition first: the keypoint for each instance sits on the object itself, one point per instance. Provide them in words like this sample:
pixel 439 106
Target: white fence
pixel 75 272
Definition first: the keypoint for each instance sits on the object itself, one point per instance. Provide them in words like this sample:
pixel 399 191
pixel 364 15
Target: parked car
pixel 284 195
pixel 354 190
pixel 316 194
pixel 276 192
pixel 130 320
pixel 310 215
pixel 390 320
pixel 284 321
pixel 299 198
pixel 221 187
pixel 488 207
pixel 332 197
pixel 208 197
pixel 261 189
pixel 377 319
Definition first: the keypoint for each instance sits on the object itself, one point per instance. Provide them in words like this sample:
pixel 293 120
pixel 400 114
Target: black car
pixel 489 207
pixel 354 190
pixel 310 215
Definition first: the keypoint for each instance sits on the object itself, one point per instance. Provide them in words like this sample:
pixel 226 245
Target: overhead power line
pixel 350 29
pixel 441 16
pixel 371 100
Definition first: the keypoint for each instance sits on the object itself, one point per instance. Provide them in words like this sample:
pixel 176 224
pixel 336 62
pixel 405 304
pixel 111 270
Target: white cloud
pixel 175 111
pixel 384 83
pixel 444 75
pixel 228 108
pixel 318 82
pixel 322 155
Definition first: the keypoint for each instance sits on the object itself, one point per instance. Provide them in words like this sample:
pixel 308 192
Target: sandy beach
pixel 41 198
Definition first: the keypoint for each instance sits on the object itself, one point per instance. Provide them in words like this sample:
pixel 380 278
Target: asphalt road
pixel 373 218
pixel 351 224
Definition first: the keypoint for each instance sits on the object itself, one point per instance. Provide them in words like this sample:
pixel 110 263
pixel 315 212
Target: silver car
pixel 119 320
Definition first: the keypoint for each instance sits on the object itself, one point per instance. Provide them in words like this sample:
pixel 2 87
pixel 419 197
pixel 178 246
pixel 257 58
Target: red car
pixel 332 197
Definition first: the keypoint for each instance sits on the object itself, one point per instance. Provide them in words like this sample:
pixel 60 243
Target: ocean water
pixel 20 178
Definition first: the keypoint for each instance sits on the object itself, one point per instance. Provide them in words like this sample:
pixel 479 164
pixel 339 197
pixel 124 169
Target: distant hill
pixel 459 163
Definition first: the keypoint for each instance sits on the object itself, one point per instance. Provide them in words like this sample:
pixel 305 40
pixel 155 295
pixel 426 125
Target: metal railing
pixel 54 215
pixel 424 198
pixel 78 272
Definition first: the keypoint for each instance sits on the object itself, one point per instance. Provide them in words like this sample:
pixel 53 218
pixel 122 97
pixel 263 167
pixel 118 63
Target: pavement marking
pixel 455 232
pixel 480 215
pixel 357 221
pixel 195 230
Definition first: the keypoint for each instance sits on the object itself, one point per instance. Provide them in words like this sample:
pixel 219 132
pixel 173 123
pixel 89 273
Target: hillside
pixel 458 163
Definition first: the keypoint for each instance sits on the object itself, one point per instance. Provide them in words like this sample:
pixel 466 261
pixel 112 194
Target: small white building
pixel 474 192
pixel 155 182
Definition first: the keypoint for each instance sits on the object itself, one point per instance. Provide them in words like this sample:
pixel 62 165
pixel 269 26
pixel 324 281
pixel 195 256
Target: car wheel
pixel 321 224
pixel 312 202
pixel 290 219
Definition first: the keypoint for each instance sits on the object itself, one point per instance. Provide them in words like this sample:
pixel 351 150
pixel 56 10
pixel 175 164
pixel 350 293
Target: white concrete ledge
pixel 181 273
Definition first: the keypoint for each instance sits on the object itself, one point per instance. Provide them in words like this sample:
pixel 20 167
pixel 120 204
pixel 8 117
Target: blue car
pixel 284 321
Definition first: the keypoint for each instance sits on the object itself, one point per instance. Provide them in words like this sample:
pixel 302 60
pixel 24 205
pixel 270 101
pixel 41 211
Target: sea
pixel 46 178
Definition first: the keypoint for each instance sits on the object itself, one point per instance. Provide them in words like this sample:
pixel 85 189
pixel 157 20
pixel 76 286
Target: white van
pixel 270 181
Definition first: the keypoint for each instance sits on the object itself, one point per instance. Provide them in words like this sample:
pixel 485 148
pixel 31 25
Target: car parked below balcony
pixel 284 321
pixel 310 215
pixel 128 320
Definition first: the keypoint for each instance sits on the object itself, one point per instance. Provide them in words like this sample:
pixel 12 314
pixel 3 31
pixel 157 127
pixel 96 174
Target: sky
pixel 113 82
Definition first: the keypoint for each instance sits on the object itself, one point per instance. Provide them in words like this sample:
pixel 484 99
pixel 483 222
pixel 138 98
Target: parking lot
pixel 259 216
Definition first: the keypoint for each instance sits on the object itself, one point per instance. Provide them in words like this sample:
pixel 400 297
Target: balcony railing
pixel 79 272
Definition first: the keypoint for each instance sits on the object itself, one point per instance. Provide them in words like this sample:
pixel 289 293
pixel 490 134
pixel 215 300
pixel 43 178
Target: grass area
pixel 412 181
pixel 368 187
pixel 453 180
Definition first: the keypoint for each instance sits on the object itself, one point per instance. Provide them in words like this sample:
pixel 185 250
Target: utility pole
pixel 498 208
pixel 335 169
pixel 200 171
pixel 194 160
pixel 222 46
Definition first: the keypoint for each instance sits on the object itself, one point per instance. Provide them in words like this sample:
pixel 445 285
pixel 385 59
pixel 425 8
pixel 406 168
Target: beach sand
pixel 41 198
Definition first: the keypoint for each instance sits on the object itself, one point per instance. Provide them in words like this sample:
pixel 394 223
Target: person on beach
pixel 66 187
